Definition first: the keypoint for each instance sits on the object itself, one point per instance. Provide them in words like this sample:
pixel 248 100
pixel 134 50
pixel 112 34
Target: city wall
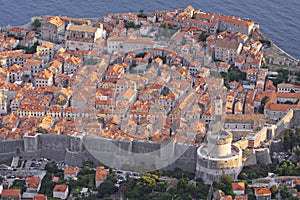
pixel 74 150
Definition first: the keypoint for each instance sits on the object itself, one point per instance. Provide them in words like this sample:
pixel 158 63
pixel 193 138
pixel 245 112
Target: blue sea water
pixel 279 19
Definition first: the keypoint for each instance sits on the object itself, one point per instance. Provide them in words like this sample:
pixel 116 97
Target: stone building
pixel 53 29
pixel 227 50
pixel 235 25
pixel 242 124
pixel 44 78
pixel 126 44
pixel 219 157
pixel 4 103
pixel 45 51
pixel 61 191
pixel 83 37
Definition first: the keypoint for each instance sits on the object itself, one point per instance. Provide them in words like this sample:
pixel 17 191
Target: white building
pixel 44 78
pixel 61 191
pixel 287 87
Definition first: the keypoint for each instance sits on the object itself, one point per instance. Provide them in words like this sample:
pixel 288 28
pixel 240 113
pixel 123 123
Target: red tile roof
pixel 39 197
pixel 100 173
pixel 241 197
pixel 262 191
pixel 33 181
pixel 11 193
pixel 60 188
pixel 238 186
pixel 282 107
pixel 71 170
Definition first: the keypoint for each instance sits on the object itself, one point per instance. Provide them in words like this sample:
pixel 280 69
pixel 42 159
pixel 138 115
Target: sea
pixel 278 19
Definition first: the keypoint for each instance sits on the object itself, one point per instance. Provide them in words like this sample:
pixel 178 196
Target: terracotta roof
pixel 228 44
pixel 241 197
pixel 39 197
pixel 48 45
pixel 11 193
pixel 253 70
pixel 288 95
pixel 262 191
pixel 60 188
pixel 234 20
pixel 231 118
pixel 33 181
pixel 57 22
pixel 15 29
pixel 282 107
pixel 238 186
pixel 81 28
pixel 100 173
pixel 46 74
pixel 287 85
pixel 206 16
pixel 71 170
pixel 33 63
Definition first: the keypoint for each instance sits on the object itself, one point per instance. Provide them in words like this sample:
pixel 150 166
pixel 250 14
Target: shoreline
pixel 284 52
pixel 276 47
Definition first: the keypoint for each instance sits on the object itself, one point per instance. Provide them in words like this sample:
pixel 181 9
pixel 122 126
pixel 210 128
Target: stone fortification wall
pixel 10 148
pixel 295 122
pixel 75 150
pixel 250 160
pixel 276 145
pixel 243 144
pixel 285 123
pixel 263 156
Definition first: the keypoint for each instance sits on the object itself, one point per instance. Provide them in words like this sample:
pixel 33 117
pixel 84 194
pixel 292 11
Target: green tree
pixel 36 23
pixel 297 187
pixel 141 13
pixel 202 191
pixel 224 184
pixel 15 36
pixel 51 167
pixel 251 196
pixel 18 184
pixel 265 42
pixel 274 190
pixel 129 25
pixel 47 185
pixel 107 187
pixel 262 105
pixel 282 77
pixel 203 36
pixel 284 193
pixel 167 26
pixel 233 75
pixel 226 179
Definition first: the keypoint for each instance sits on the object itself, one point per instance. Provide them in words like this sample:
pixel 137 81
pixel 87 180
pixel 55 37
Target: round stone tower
pixel 219 145
pixel 218 157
